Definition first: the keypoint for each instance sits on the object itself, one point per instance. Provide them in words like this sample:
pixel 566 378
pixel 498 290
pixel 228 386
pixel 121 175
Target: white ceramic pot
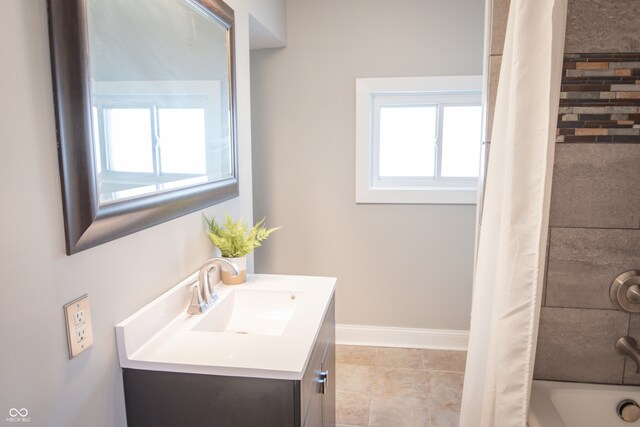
pixel 228 277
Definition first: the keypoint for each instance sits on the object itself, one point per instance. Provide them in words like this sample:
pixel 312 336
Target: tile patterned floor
pixel 398 387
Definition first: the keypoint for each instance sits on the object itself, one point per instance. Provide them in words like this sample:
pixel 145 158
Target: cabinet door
pixel 318 383
pixel 329 395
pixel 314 413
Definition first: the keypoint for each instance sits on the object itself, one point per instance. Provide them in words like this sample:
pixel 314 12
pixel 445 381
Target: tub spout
pixel 628 346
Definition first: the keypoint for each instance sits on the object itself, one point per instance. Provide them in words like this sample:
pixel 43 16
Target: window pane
pixel 407 141
pixel 461 141
pixel 129 139
pixel 182 143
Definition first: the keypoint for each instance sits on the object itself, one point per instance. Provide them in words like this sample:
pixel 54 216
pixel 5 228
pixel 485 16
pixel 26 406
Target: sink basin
pixel 264 328
pixel 258 312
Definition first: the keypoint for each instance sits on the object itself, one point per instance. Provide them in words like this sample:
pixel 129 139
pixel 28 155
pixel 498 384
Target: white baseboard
pixel 380 336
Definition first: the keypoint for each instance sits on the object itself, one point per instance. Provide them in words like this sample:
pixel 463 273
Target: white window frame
pixel 153 95
pixel 371 94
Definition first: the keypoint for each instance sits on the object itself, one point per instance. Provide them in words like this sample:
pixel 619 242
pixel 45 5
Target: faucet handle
pixel 197 304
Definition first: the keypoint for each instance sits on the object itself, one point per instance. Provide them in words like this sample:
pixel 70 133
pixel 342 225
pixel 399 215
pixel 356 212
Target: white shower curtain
pixel 513 236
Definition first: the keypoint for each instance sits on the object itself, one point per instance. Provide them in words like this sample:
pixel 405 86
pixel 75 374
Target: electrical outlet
pixel 79 317
pixel 81 333
pixel 78 320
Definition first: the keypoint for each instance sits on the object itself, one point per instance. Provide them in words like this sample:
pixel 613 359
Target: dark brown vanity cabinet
pixel 318 383
pixel 158 399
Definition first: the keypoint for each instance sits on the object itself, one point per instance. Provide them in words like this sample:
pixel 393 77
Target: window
pixel 418 139
pixel 132 139
pixel 144 124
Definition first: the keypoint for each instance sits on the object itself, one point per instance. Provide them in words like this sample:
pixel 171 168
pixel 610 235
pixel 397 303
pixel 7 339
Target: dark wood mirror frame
pixel 87 222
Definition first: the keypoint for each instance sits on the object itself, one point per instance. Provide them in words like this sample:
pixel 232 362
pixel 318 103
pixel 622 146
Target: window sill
pixel 418 195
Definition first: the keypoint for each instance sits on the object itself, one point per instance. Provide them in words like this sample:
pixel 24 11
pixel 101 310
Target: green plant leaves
pixel 233 239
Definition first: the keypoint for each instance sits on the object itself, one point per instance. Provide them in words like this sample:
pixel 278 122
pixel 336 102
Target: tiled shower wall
pixel 599 98
pixel 595 205
pixel 595 220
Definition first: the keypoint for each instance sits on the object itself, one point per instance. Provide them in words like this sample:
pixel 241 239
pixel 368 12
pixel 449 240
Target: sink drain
pixel 242 332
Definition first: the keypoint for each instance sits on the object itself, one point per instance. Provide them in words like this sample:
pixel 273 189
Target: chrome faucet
pixel 204 294
pixel 628 346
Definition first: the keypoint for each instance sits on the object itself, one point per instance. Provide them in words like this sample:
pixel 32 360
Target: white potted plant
pixel 235 242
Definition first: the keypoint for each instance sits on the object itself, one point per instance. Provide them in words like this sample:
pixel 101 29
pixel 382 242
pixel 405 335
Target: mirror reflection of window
pixel 161 91
pixel 182 140
pixel 129 141
pixel 158 135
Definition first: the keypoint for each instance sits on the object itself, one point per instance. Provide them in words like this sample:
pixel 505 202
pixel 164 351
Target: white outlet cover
pixel 79 317
pixel 79 330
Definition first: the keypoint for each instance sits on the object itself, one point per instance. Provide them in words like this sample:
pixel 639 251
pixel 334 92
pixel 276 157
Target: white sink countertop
pixel 280 317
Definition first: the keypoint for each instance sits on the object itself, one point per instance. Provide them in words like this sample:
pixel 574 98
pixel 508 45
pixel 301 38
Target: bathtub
pixel 558 404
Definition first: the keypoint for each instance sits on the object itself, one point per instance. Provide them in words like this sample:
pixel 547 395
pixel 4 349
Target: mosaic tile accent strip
pixel 600 98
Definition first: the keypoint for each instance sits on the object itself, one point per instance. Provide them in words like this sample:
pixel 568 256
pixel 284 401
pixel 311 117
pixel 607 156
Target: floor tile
pixel 444 388
pixel 408 358
pixel 444 360
pixel 354 378
pixel 395 382
pixel 355 355
pixel 405 388
pixel 444 416
pixel 399 412
pixel 352 408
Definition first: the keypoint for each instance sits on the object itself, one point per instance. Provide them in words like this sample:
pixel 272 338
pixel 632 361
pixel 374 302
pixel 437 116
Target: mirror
pixel 145 109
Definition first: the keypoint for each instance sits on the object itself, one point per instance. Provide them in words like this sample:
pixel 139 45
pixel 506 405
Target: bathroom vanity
pixel 263 355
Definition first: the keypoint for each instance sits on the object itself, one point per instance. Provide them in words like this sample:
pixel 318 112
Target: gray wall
pixel 37 278
pixel 397 265
pixel 268 23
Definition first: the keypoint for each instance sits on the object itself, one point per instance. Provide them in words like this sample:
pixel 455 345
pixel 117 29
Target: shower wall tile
pixel 578 345
pixel 595 200
pixel 630 375
pixel 485 150
pixel 600 98
pixel 602 26
pixel 589 26
pixel 494 75
pixel 596 185
pixel 583 262
pixel 546 270
pixel 499 15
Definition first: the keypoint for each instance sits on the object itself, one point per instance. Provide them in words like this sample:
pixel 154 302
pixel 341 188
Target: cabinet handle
pixel 323 380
